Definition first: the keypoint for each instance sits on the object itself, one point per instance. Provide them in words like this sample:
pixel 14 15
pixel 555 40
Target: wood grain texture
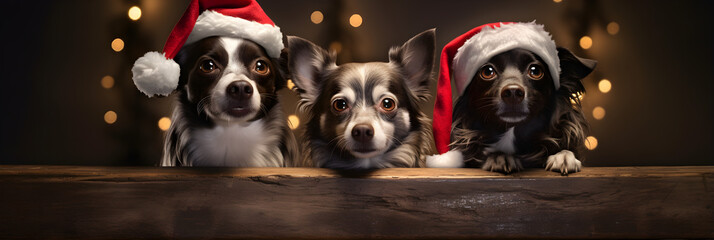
pixel 137 202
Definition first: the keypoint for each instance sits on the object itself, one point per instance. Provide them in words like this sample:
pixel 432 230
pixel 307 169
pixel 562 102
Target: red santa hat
pixel 157 74
pixel 464 56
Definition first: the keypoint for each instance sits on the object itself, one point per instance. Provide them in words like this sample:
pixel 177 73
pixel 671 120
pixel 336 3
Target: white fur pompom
pixel 154 74
pixel 450 159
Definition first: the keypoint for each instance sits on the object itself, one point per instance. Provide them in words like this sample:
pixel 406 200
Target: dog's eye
pixel 261 67
pixel 535 72
pixel 388 104
pixel 339 105
pixel 488 72
pixel 207 66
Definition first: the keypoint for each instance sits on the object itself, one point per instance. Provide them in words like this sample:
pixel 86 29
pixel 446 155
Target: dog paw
pixel 563 162
pixel 502 163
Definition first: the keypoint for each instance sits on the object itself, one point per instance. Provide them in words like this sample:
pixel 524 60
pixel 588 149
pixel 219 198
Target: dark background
pixel 54 54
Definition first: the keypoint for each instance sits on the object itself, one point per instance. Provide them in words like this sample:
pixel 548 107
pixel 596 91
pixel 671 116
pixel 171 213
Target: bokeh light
pixel 110 117
pixel 134 13
pixel 316 17
pixel 336 47
pixel 293 121
pixel 586 42
pixel 356 20
pixel 613 28
pixel 117 45
pixel 579 96
pixel 598 113
pixel 604 86
pixel 164 123
pixel 107 82
pixel 591 143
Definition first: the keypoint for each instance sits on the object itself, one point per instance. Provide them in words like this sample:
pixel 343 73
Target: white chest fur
pixel 505 145
pixel 232 145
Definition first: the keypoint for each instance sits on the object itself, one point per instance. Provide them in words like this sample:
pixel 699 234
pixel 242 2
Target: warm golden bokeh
pixel 164 123
pixel 107 82
pixel 316 17
pixel 586 42
pixel 613 28
pixel 293 121
pixel 598 113
pixel 591 143
pixel 110 117
pixel 604 85
pixel 336 47
pixel 356 20
pixel 134 13
pixel 117 45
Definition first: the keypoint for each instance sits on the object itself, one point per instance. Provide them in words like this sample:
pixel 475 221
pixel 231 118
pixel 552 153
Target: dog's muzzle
pixel 240 93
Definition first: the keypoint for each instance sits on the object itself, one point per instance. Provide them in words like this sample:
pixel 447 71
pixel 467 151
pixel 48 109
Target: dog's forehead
pixel 242 50
pixel 519 58
pixel 364 81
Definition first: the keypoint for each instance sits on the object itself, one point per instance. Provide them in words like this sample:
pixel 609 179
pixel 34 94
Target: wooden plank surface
pixel 140 202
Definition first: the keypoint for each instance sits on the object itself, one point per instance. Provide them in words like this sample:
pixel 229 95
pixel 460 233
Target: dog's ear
pixel 574 67
pixel 281 80
pixel 416 57
pixel 306 62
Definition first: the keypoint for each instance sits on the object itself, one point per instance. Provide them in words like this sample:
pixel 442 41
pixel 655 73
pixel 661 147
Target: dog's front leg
pixel 563 162
pixel 501 162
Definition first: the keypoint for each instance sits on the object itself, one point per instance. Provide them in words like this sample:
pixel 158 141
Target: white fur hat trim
pixel 450 159
pixel 211 23
pixel 154 74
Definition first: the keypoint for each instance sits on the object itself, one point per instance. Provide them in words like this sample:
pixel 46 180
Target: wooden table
pixel 298 203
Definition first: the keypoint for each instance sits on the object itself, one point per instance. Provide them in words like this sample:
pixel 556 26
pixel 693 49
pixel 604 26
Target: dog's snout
pixel 240 90
pixel 513 94
pixel 363 132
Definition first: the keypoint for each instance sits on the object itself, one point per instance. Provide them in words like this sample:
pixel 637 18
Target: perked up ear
pixel 306 62
pixel 416 57
pixel 574 67
pixel 281 63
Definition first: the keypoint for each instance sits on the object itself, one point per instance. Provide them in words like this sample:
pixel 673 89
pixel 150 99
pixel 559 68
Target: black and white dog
pixel 224 60
pixel 517 105
pixel 364 115
pixel 228 112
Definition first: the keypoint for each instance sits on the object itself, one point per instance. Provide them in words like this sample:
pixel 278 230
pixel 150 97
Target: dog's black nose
pixel 240 90
pixel 363 132
pixel 513 94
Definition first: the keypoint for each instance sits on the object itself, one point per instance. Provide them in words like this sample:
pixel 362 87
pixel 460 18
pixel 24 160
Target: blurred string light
pixel 107 82
pixel 117 44
pixel 591 143
pixel 110 117
pixel 598 113
pixel 604 85
pixel 134 13
pixel 293 121
pixel 356 20
pixel 613 28
pixel 164 123
pixel 586 42
pixel 577 95
pixel 290 84
pixel 316 17
pixel 336 47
